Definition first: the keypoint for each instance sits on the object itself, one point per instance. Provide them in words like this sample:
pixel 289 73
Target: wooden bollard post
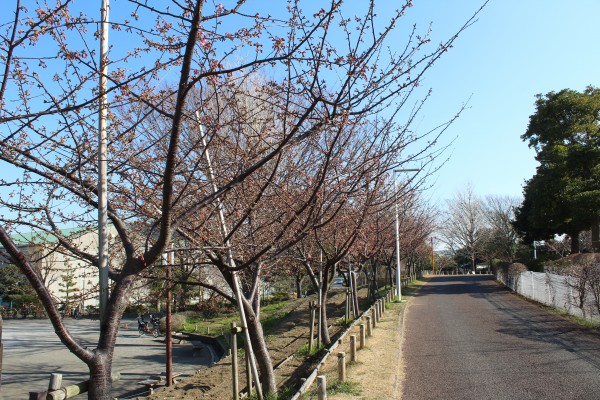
pixel 342 366
pixel 234 361
pixel 55 382
pixel 322 387
pixel 377 312
pixel 369 331
pixel 352 348
pixel 374 317
pixel 362 335
pixel 381 307
pixel 312 309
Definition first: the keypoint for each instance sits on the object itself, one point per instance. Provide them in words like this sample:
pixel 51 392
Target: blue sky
pixel 517 49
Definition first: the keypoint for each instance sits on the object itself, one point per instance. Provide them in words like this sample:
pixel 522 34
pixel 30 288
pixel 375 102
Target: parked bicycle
pixel 149 327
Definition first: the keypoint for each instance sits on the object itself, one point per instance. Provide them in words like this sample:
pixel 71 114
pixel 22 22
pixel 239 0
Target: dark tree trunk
pixel 574 243
pixel 595 234
pixel 298 286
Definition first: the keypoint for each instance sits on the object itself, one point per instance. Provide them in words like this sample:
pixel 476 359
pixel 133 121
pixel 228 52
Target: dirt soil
pixel 283 340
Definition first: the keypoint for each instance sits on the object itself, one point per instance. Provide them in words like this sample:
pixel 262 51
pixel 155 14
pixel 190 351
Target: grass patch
pixel 347 387
pixel 303 351
pixel 270 314
pixel 342 321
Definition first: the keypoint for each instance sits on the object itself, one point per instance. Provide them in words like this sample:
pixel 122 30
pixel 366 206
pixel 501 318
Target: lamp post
pixel 432 257
pixel 398 269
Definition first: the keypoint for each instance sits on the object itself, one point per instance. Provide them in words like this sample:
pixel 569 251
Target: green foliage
pixel 565 132
pixel 136 309
pixel 15 287
pixel 277 297
pixel 303 351
pixel 285 393
pixel 68 288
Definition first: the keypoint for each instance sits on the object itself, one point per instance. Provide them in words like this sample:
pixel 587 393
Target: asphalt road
pixel 32 352
pixel 466 337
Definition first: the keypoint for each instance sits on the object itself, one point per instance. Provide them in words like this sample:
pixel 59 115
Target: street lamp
pixel 398 271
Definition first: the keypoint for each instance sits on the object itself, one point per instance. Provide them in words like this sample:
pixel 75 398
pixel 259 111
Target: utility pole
pixel 168 336
pixel 102 168
pixel 398 265
pixel 432 257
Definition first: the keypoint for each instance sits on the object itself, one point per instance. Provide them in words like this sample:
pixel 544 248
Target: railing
pixel 57 392
pixel 558 291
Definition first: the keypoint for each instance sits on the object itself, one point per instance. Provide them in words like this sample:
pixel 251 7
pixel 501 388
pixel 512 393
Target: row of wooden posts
pixel 366 330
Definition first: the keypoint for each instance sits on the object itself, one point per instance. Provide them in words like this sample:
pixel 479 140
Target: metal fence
pixel 558 291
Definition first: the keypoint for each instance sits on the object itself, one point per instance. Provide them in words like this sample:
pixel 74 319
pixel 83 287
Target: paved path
pixel 32 352
pixel 468 338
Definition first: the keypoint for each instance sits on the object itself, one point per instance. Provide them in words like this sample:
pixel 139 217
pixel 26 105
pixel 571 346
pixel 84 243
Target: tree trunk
pixel 324 329
pixel 100 384
pixel 574 243
pixel 263 359
pixel 354 294
pixel 298 287
pixel 595 234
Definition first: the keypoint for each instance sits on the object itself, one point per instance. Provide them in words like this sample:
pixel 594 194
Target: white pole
pixel 398 265
pixel 231 262
pixel 102 160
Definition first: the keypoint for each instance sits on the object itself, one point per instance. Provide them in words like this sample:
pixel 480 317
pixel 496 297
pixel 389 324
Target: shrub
pixel 177 322
pixel 210 308
pixel 277 297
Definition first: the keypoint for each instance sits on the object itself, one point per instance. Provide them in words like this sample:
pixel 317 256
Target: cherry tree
pixel 325 68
